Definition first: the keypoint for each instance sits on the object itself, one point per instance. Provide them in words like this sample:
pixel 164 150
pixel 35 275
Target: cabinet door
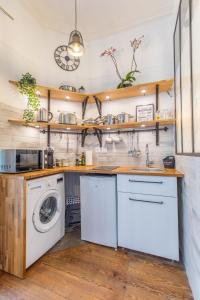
pixel 148 224
pixel 98 210
pixel 150 185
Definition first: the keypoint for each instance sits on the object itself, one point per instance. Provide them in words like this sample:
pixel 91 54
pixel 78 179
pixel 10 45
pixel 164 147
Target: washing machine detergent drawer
pixel 45 215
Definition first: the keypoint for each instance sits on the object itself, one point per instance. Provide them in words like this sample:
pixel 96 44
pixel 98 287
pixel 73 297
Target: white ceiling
pixel 97 18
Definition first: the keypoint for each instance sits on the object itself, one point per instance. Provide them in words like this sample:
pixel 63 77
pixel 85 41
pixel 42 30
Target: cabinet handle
pixel 147 201
pixel 144 181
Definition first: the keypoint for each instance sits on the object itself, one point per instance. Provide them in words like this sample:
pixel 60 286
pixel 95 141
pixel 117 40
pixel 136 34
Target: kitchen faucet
pixel 148 162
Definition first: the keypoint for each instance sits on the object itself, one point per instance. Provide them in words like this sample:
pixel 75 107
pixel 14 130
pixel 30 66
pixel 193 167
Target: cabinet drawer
pixel 148 224
pixel 149 185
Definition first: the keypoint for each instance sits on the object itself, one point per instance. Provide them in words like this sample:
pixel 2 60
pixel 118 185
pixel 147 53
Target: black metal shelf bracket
pixel 98 104
pixel 48 126
pixel 157 108
pixel 84 106
pixel 84 133
pixel 98 133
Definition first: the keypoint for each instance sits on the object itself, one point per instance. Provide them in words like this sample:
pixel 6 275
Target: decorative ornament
pixel 65 60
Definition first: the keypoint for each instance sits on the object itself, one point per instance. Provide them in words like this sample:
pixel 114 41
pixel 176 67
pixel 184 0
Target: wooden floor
pixel 91 272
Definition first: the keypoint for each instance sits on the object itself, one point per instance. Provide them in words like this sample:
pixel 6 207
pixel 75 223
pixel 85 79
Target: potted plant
pixel 27 87
pixel 129 78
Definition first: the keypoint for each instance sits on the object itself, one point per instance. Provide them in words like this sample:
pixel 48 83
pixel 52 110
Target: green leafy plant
pixel 127 80
pixel 27 87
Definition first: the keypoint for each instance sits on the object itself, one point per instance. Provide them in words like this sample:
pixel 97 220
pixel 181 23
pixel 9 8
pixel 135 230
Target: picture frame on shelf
pixel 144 113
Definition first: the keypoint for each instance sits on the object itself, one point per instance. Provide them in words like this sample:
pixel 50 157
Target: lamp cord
pixel 6 13
pixel 75 15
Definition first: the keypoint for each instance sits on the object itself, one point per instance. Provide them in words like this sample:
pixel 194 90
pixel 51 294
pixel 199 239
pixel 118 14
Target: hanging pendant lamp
pixel 76 46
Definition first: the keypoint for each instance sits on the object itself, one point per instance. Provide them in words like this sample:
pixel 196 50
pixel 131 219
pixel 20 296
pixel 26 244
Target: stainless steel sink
pixel 105 168
pixel 148 169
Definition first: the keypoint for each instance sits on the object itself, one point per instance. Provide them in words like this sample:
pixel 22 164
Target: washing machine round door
pixel 47 211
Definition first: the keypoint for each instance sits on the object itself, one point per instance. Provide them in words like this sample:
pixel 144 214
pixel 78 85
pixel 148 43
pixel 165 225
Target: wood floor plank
pixel 92 272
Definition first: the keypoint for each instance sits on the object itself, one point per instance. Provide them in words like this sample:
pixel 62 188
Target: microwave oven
pixel 20 160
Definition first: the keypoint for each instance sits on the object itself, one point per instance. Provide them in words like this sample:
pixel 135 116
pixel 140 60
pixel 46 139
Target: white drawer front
pixel 149 185
pixel 148 224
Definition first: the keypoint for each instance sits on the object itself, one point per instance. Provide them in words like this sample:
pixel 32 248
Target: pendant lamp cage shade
pixel 76 45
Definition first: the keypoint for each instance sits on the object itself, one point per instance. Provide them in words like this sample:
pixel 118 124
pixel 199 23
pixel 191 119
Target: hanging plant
pixel 27 87
pixel 129 78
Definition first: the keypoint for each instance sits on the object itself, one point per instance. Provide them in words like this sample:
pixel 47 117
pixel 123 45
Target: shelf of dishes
pixel 80 127
pixel 146 113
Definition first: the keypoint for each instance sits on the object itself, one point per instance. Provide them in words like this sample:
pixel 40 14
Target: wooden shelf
pixel 57 94
pixel 135 91
pixel 116 94
pixel 44 125
pixel 135 125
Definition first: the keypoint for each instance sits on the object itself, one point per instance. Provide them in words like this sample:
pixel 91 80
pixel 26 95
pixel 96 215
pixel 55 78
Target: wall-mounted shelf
pixel 129 125
pixel 135 125
pixel 57 94
pixel 115 94
pixel 135 91
pixel 41 125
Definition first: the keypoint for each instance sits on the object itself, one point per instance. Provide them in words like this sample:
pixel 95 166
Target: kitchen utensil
pixel 67 138
pixel 109 119
pixel 116 139
pixel 67 87
pixel 89 121
pixel 138 152
pixel 44 116
pixel 73 119
pixel 122 117
pixel 109 140
pixel 67 118
pixel 61 118
pixel 129 138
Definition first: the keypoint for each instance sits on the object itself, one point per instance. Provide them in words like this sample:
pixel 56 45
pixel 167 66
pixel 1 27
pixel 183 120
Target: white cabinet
pixel 147 222
pixel 99 209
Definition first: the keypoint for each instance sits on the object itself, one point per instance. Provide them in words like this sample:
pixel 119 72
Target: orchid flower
pixel 135 44
pixel 110 52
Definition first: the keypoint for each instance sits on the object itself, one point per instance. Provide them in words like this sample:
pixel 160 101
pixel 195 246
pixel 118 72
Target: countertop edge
pixel 89 169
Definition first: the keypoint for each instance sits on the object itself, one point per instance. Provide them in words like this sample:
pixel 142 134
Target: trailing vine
pixel 27 87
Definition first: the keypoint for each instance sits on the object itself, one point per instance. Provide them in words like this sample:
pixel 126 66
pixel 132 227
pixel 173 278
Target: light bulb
pixel 76 49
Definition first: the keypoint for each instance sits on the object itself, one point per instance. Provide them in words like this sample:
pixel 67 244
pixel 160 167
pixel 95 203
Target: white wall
pixel 155 57
pixel 191 219
pixel 26 46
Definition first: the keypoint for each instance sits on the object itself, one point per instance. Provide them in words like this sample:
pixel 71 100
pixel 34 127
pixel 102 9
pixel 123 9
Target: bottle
pixel 83 159
pixel 157 115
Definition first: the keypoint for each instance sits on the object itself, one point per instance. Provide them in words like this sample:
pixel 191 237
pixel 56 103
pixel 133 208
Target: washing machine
pixel 45 215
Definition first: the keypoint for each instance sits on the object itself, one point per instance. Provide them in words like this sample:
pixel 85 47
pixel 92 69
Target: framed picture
pixel 144 113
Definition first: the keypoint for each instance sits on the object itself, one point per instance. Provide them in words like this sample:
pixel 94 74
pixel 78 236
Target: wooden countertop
pixel 89 169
